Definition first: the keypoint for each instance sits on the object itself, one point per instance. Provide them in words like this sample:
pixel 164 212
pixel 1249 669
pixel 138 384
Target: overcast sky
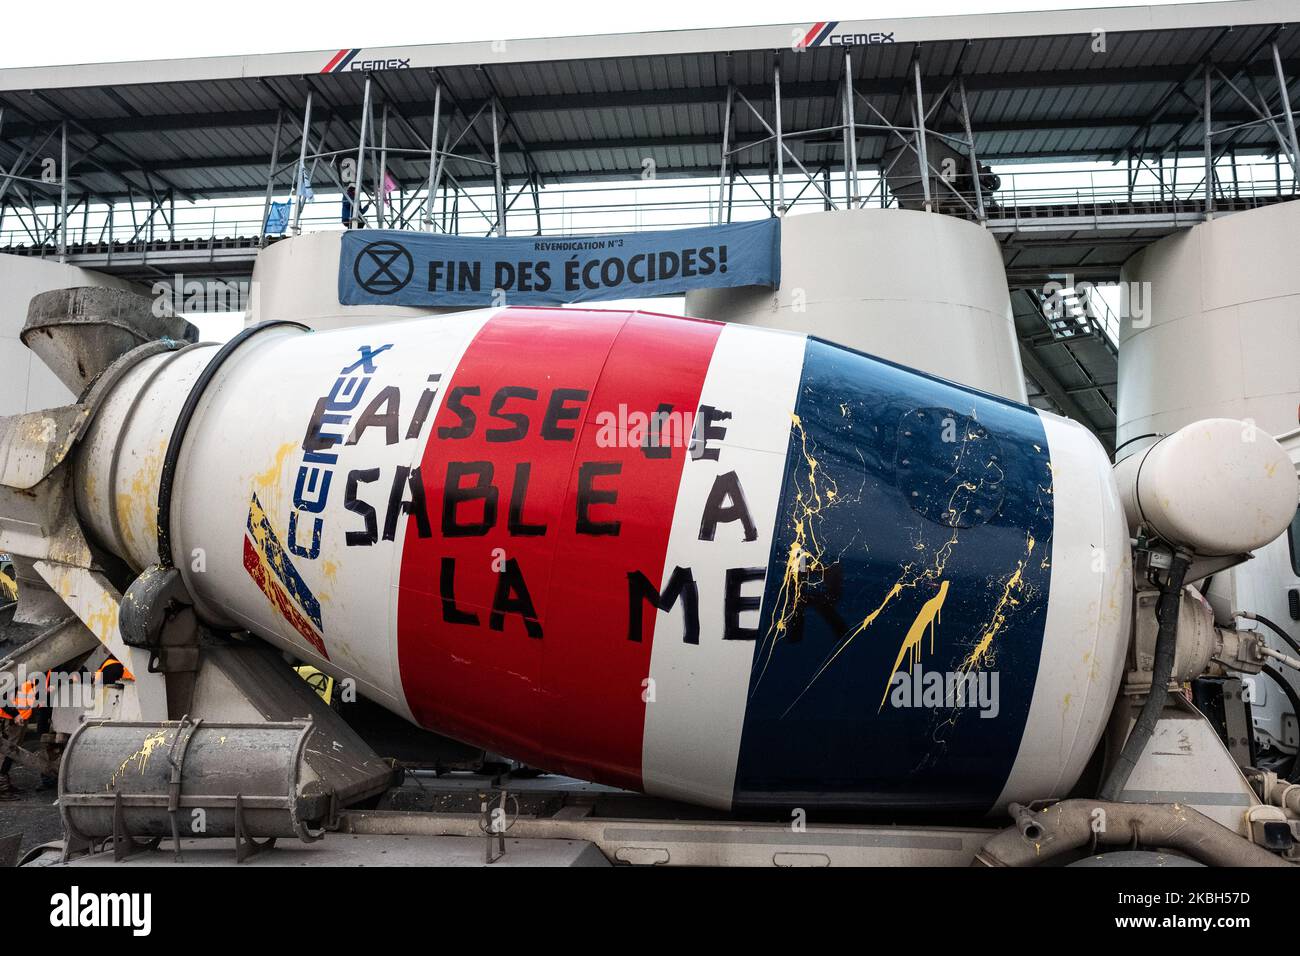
pixel 94 31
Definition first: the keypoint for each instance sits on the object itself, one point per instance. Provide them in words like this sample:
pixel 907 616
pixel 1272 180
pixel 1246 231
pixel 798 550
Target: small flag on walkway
pixel 277 220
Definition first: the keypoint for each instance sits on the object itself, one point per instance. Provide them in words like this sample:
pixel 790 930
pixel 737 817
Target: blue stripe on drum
pixel 903 612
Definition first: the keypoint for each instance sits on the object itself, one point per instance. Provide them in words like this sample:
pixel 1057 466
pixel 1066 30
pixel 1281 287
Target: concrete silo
pixel 927 291
pixel 1211 327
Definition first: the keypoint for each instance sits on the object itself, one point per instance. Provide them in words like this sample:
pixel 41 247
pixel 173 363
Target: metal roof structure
pixel 1137 86
pixel 595 107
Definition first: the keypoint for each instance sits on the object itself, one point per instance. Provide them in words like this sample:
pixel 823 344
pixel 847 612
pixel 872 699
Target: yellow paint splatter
pixel 982 653
pixel 141 756
pixel 102 621
pixel 926 619
pixel 805 563
pixel 137 507
pixel 269 480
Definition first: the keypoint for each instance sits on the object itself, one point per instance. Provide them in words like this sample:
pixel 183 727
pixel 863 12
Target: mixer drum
pixel 718 563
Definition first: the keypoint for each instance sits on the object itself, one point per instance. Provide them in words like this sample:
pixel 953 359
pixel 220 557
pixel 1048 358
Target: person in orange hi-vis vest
pixel 14 717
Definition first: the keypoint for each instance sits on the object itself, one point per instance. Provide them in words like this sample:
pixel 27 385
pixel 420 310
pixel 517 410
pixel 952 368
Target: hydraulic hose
pixel 1277 678
pixel 1162 669
pixel 1293 775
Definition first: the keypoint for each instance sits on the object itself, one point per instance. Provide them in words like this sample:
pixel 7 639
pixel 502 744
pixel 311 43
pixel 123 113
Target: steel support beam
pixel 726 144
pixel 434 159
pixel 496 172
pixel 973 157
pixel 63 191
pixel 851 131
pixel 299 174
pixel 1209 151
pixel 780 140
pixel 922 154
pixel 270 177
pixel 358 174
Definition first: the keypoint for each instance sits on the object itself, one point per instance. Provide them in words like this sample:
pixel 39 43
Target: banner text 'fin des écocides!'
pixel 378 267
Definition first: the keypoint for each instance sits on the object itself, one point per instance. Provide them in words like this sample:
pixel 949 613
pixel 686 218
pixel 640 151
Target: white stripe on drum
pixel 694 721
pixel 1084 636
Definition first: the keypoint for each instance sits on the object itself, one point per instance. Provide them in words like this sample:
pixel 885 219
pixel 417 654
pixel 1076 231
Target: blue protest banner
pixel 379 267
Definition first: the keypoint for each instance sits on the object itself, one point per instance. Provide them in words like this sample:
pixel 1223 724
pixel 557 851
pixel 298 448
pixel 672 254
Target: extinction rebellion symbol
pixel 383 268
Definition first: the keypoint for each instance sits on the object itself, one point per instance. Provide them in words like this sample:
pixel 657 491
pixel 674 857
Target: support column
pixel 434 172
pixel 270 176
pixel 496 168
pixel 974 158
pixel 850 133
pixel 381 172
pixel 1286 112
pixel 780 143
pixel 726 145
pixel 358 173
pixel 1209 151
pixel 301 171
pixel 63 191
pixel 922 156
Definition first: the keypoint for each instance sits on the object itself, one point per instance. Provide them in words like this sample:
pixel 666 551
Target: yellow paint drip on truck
pixel 140 757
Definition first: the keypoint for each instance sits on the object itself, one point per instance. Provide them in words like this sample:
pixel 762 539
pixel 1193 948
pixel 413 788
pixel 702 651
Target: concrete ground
pixel 33 814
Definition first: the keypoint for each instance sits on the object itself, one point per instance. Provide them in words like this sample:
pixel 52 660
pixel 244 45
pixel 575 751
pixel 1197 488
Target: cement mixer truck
pixel 752 571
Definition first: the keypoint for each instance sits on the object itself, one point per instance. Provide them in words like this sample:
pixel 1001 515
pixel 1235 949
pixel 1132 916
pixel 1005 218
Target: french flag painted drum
pixel 721 564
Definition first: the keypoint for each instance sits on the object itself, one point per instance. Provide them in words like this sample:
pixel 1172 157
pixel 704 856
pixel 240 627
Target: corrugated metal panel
pixel 1030 96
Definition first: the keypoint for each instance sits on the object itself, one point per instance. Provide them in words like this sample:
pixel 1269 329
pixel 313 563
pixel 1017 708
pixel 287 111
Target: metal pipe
pixel 384 169
pixel 844 142
pixel 537 202
pixel 851 131
pixel 780 142
pixel 726 138
pixel 974 159
pixel 270 176
pixel 496 167
pixel 301 171
pixel 442 173
pixel 357 174
pixel 381 172
pixel 63 191
pixel 433 157
pixel 921 153
pixel 1209 151
pixel 1046 834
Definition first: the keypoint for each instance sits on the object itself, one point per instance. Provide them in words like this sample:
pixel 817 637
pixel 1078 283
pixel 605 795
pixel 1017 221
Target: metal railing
pixel 581 208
